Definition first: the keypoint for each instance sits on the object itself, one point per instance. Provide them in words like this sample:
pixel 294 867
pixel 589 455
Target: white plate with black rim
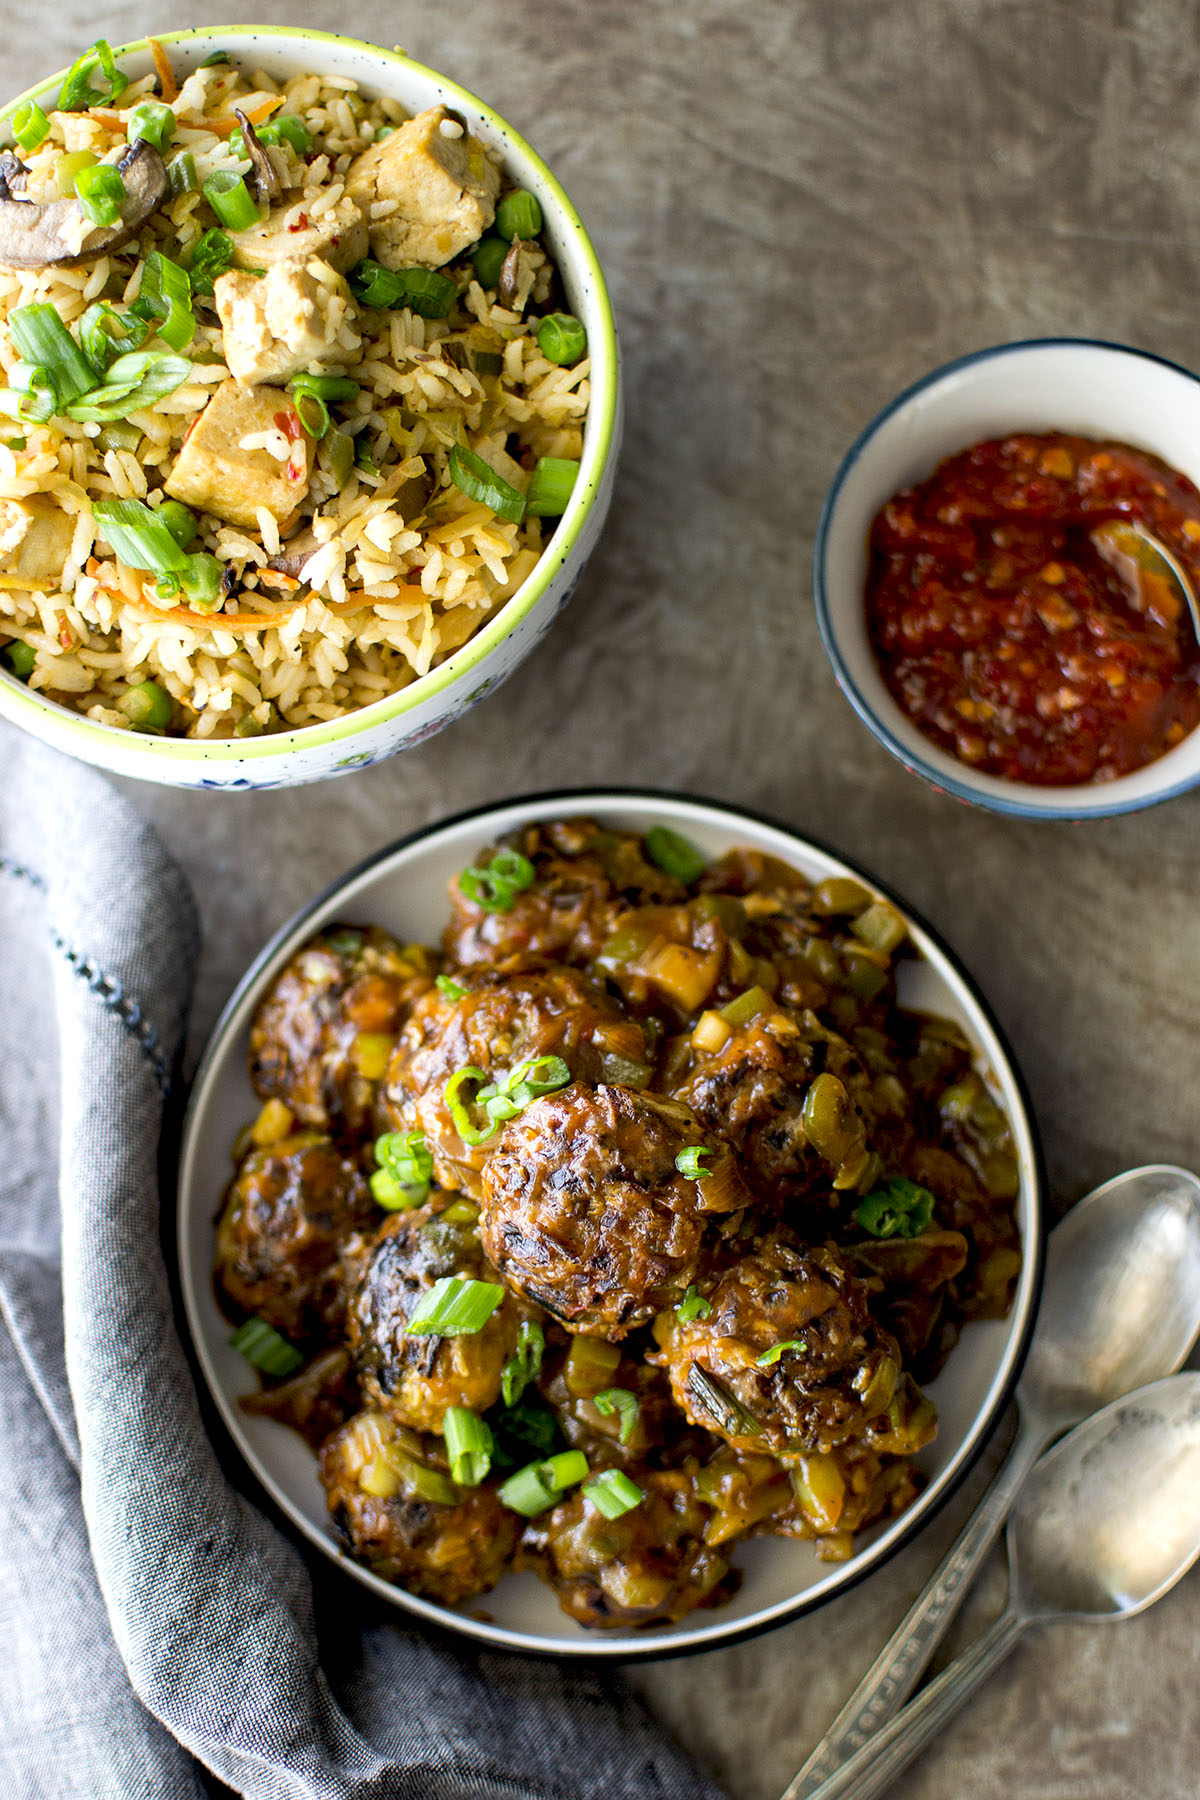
pixel 403 889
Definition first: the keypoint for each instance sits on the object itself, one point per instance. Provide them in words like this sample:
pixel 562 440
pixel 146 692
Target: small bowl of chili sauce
pixel 982 595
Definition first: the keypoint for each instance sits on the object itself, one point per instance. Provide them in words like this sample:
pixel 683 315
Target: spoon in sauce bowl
pixel 1109 1521
pixel 1120 1307
pixel 1154 575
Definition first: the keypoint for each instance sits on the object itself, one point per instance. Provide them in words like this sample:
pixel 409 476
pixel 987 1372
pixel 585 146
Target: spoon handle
pixel 876 1765
pixel 896 1670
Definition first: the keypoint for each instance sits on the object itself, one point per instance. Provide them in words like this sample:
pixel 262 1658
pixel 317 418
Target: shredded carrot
pixel 224 125
pixel 168 85
pixel 66 636
pixel 275 578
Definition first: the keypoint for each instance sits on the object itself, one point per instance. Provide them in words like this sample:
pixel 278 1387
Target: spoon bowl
pixel 1108 1523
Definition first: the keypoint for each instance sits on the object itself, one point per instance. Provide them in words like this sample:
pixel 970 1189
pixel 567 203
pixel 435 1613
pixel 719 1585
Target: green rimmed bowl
pixel 370 733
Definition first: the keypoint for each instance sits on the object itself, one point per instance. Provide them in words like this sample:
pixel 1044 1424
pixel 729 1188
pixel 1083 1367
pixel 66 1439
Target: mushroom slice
pixel 34 236
pixel 267 185
pixel 13 173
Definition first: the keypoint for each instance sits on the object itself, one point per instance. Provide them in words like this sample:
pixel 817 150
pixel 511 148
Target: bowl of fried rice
pixel 310 405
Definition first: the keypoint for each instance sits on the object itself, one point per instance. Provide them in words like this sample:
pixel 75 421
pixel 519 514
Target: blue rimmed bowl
pixel 1076 385
pixel 414 713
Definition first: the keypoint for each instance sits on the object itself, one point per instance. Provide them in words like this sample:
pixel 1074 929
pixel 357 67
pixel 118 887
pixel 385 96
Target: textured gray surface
pixel 801 206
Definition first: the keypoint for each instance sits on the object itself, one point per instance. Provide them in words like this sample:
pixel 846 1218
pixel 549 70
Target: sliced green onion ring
pixel 474 478
pixel 539 1484
pixel 405 1167
pixel 692 1306
pixel 454 1308
pixel 45 343
pixel 770 1357
pixel 231 200
pixel 131 383
pixel 152 121
pixel 426 292
pixel 495 886
pixel 266 1348
pixel 30 126
pixel 458 1107
pixel 619 1400
pixel 76 93
pixel 691 1162
pixel 140 538
pixel 613 1493
pixel 551 486
pixel 166 296
pixel 181 175
pixel 674 854
pixel 105 333
pixel 211 257
pixel 468 1446
pixel 525 1365
pixel 900 1208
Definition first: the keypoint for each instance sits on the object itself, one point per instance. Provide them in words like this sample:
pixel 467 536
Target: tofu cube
pixel 296 316
pixel 338 237
pixel 442 184
pixel 245 450
pixel 35 540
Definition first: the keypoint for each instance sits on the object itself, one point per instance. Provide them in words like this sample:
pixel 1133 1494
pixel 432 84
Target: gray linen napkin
pixel 155 1629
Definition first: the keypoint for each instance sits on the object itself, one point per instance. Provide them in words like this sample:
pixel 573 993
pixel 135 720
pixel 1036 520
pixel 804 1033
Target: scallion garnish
pixel 518 215
pixel 104 333
pixel 494 886
pixel 692 1306
pixel 613 1493
pixel 131 383
pixel 211 257
pixel 488 260
pixel 527 1082
pixel 77 94
pixel 900 1208
pixel 691 1162
pixel 454 1308
pixel 561 339
pixel 45 343
pixel 539 1484
pixel 314 394
pixel 468 1445
pixel 770 1357
pixel 478 481
pixel 31 396
pixel 181 175
pixel 405 1167
pixel 450 990
pixel 619 1400
pixel 263 1346
pixel 152 121
pixel 100 191
pixel 458 1107
pixel 31 127
pixel 550 487
pixel 673 854
pixel 423 291
pixel 166 297
pixel 286 127
pixel 216 59
pixel 231 200
pixel 138 536
pixel 525 1365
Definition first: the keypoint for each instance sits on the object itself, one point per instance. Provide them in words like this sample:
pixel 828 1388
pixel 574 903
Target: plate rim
pixel 624 1648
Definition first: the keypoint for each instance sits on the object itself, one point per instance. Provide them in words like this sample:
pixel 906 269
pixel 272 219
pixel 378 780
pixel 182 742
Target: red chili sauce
pixel 1008 638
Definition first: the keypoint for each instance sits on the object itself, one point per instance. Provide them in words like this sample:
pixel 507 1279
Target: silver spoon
pixel 1137 556
pixel 1120 1307
pixel 1109 1521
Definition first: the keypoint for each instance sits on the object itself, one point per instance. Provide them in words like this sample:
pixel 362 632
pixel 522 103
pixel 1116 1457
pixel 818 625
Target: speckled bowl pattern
pixel 403 889
pixel 1099 390
pixel 371 733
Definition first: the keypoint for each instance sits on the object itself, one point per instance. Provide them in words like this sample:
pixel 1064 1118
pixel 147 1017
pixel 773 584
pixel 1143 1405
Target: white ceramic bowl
pixel 417 711
pixel 1054 384
pixel 404 890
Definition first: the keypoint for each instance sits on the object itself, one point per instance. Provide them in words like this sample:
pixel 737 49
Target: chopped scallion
pixel 424 291
pixel 613 1493
pixel 550 487
pixel 459 1108
pixel 691 1162
pixel 181 174
pixel 31 127
pixel 900 1208
pixel 140 538
pixel 104 333
pixel 455 1308
pixel 231 200
pixel 131 383
pixel 100 192
pixel 166 296
pixel 211 257
pixel 263 1346
pixel 45 343
pixel 450 990
pixel 561 339
pixel 518 216
pixel 468 1446
pixel 619 1400
pixel 539 1484
pixel 692 1306
pixel 474 478
pixel 673 854
pixel 152 121
pixel 77 93
pixel 495 886
pixel 770 1357
pixel 405 1165
pixel 525 1365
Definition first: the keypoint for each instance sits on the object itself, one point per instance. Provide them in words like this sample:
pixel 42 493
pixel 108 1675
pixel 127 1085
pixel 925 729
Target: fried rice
pixel 400 566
